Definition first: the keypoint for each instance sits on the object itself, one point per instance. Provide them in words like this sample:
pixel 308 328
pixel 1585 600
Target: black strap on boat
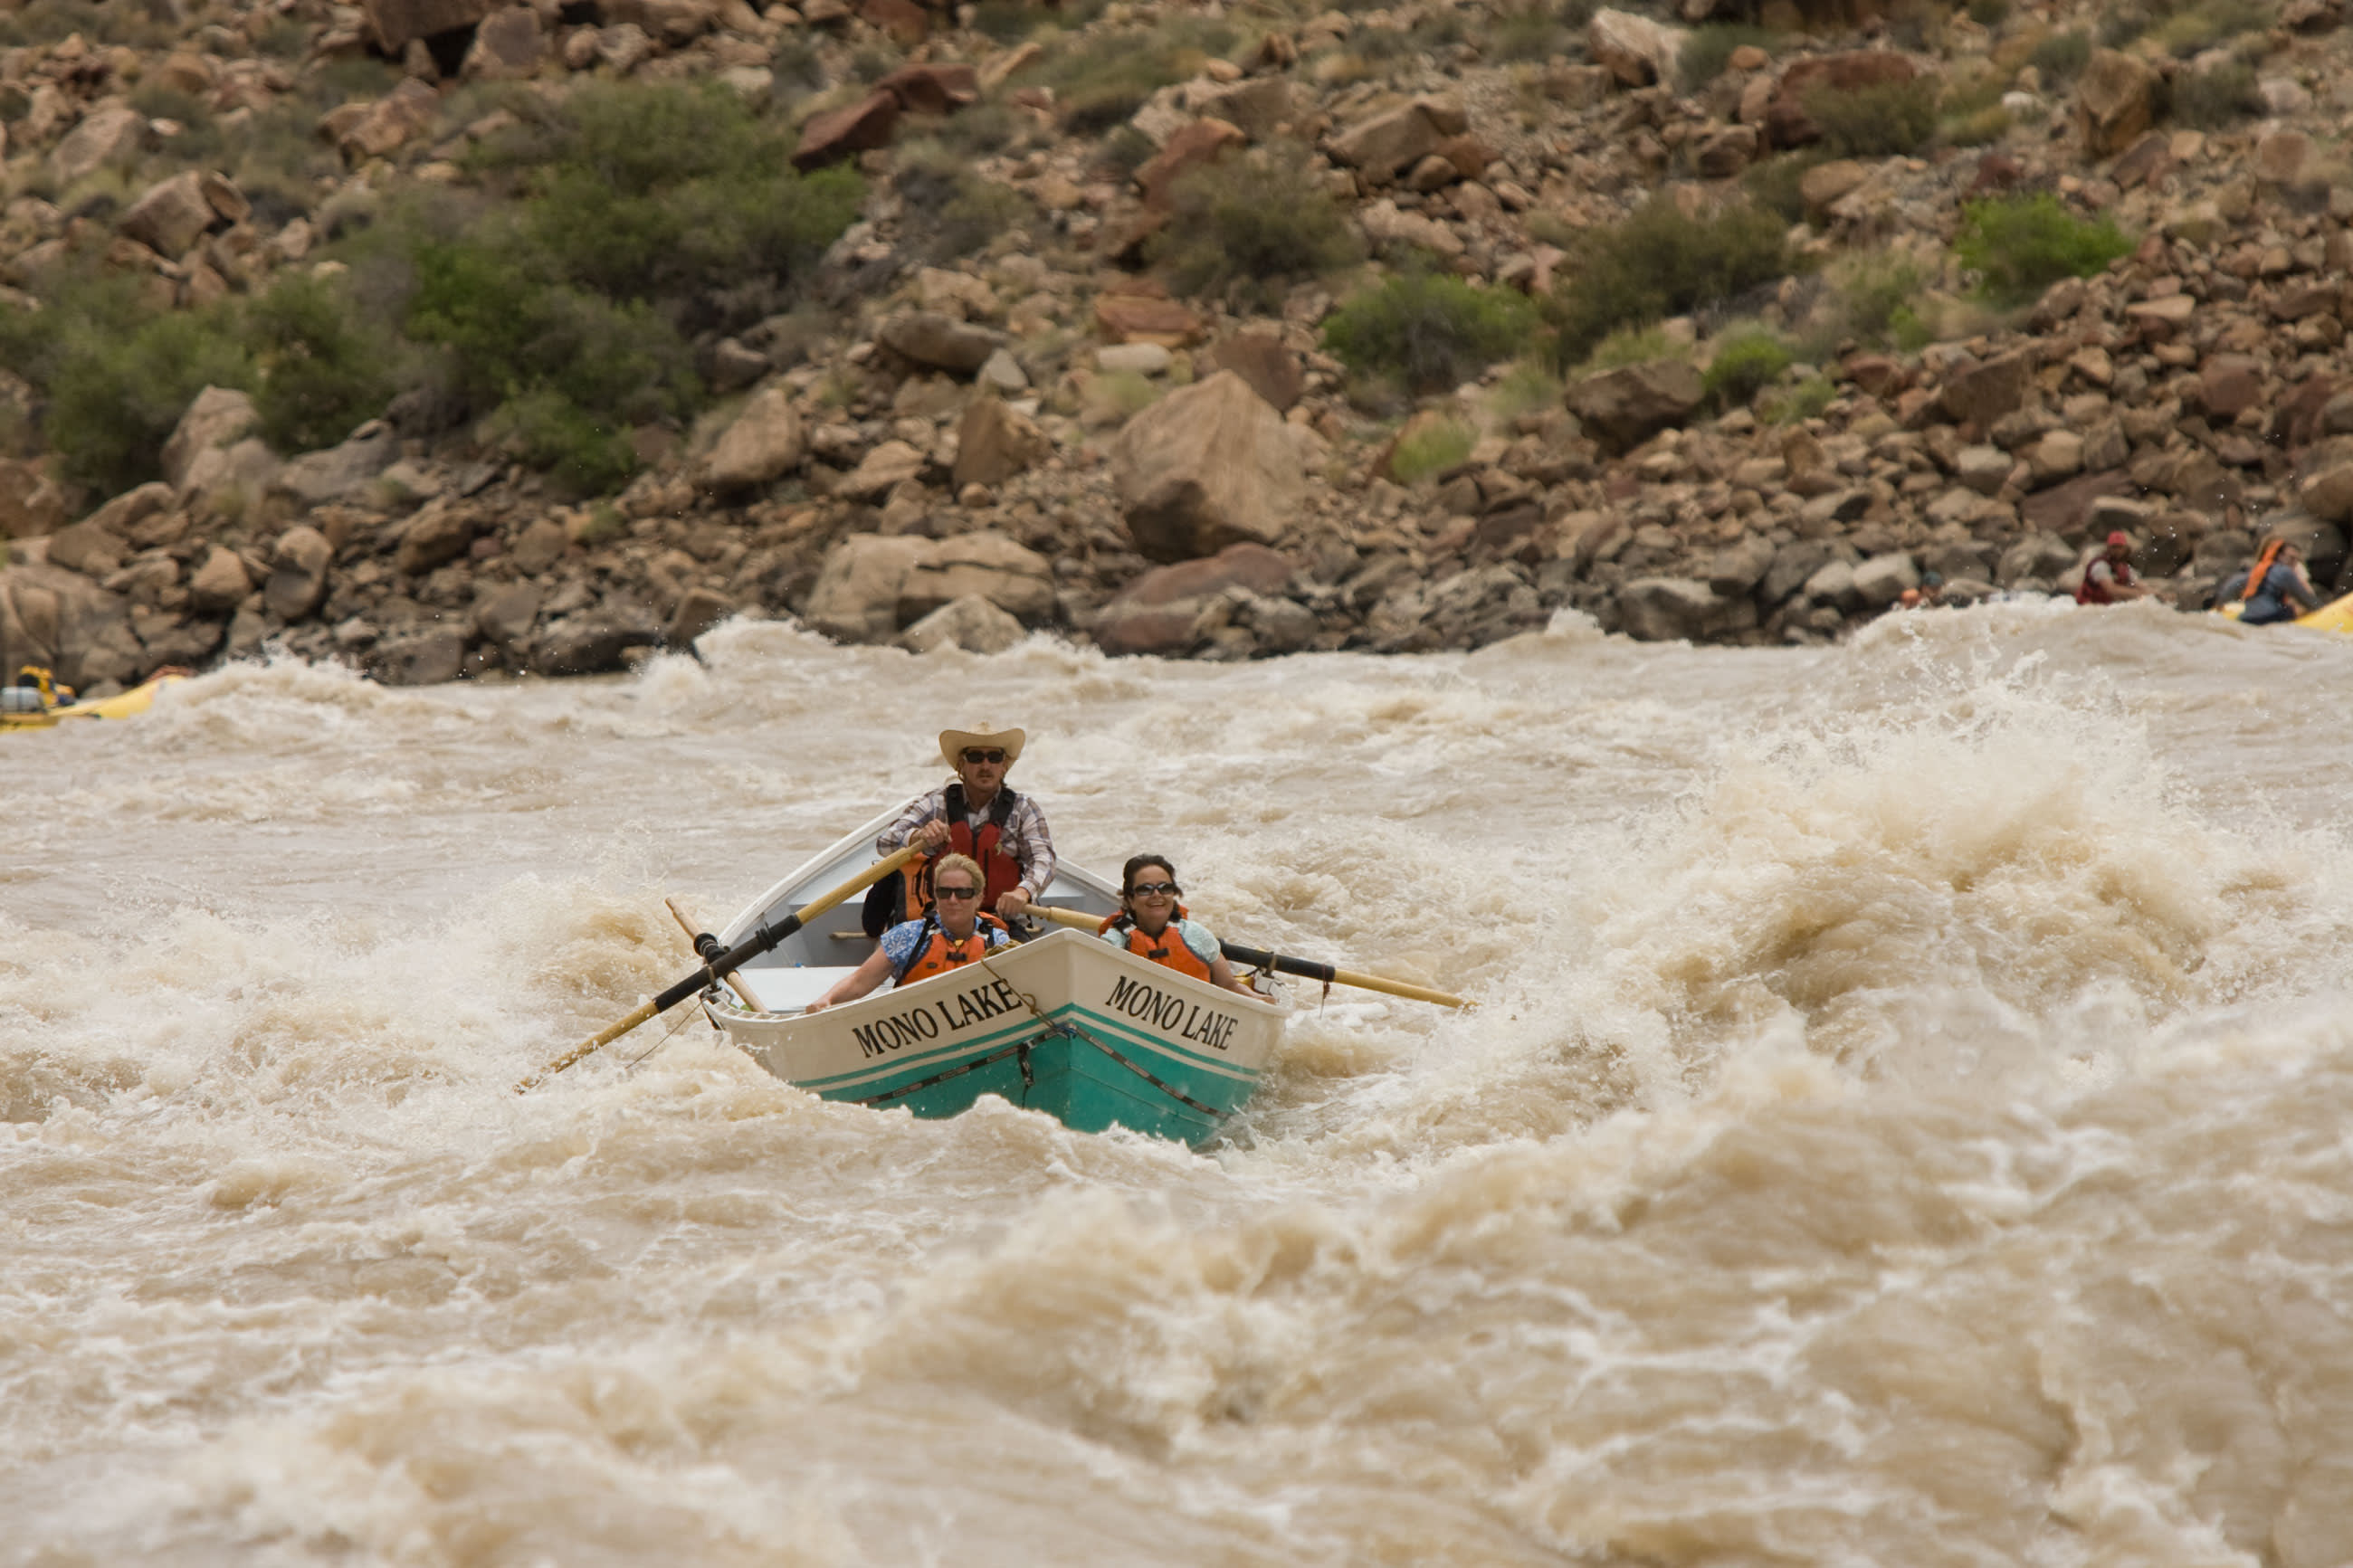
pixel 1021 1049
pixel 1170 1090
pixel 1282 963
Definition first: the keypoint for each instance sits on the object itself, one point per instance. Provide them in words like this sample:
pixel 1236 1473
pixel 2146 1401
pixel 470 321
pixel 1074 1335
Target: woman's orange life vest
pixel 992 847
pixel 943 952
pixel 1167 948
pixel 2259 571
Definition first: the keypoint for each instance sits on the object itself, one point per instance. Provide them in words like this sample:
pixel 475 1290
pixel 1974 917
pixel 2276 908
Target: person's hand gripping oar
pixel 718 963
pixel 1305 968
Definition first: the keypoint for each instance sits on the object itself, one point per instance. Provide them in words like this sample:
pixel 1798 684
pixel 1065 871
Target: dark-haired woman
pixel 1152 924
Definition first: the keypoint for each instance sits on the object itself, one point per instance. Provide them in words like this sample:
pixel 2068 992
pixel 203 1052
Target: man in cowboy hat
pixel 975 815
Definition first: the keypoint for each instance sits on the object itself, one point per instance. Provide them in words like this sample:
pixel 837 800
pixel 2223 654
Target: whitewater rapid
pixel 1906 1122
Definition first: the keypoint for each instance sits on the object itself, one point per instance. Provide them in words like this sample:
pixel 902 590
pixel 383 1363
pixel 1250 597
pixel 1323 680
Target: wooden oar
pixel 702 941
pixel 1305 968
pixel 717 966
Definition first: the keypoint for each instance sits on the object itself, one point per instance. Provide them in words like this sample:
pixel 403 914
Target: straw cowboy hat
pixel 954 743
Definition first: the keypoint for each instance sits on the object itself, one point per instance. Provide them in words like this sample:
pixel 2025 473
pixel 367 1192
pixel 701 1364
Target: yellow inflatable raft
pixel 37 702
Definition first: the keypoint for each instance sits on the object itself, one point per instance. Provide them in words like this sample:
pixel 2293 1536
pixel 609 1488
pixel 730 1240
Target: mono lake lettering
pixel 1186 1020
pixel 884 1036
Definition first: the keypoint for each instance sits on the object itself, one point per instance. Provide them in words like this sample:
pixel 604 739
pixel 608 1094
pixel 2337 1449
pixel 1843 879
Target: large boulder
pixel 764 443
pixel 1629 404
pixel 1981 393
pixel 1637 50
pixel 844 132
pixel 939 341
pixel 995 442
pixel 856 598
pixel 594 642
pixel 431 657
pixel 172 214
pixel 1392 140
pixel 220 584
pixel 2116 100
pixel 1014 578
pixel 110 136
pixel 970 623
pixel 879 471
pixel 508 46
pixel 317 479
pixel 1159 613
pixel 298 573
pixel 217 418
pixel 1262 359
pixel 440 533
pixel 1665 609
pixel 31 503
pixel 1206 466
pixel 394 21
pixel 66 623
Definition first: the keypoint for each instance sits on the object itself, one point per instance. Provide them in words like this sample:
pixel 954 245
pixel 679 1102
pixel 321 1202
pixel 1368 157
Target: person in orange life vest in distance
pixel 951 935
pixel 1152 924
pixel 2110 579
pixel 2275 588
pixel 977 816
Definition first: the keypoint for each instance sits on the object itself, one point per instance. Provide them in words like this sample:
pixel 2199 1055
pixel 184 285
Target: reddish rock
pixel 906 23
pixel 2229 384
pixel 2147 163
pixel 931 89
pixel 1135 318
pixel 2116 100
pixel 1155 614
pixel 831 136
pixel 1194 147
pixel 1785 123
pixel 1982 394
pixel 2298 421
pixel 1876 374
pixel 1272 370
pixel 1996 172
pixel 2063 508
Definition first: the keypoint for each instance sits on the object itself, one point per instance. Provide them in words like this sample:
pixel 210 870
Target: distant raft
pixel 37 701
pixel 2337 616
pixel 1086 1032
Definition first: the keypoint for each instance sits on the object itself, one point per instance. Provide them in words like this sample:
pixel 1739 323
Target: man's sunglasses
pixel 955 892
pixel 975 754
pixel 1153 890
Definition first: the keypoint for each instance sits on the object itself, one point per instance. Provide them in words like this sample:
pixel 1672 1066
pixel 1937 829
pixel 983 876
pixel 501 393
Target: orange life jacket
pixel 943 952
pixel 1167 948
pixel 992 847
pixel 2259 571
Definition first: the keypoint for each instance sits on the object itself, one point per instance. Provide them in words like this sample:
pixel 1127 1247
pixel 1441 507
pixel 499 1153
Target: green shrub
pixel 1746 362
pixel 1776 184
pixel 116 373
pixel 1658 263
pixel 2019 246
pixel 1433 332
pixel 581 453
pixel 1632 345
pixel 2122 26
pixel 321 369
pixel 1875 299
pixel 1103 79
pixel 1007 21
pixel 2216 98
pixel 1979 128
pixel 1247 228
pixel 1709 50
pixel 1527 386
pixel 1883 120
pixel 1988 13
pixel 1433 447
pixel 1528 35
pixel 2189 31
pixel 2061 58
pixel 1125 151
pixel 1804 401
pixel 642 191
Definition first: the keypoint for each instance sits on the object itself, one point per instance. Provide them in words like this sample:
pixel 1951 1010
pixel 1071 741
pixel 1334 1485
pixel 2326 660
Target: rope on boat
pixel 1021 1049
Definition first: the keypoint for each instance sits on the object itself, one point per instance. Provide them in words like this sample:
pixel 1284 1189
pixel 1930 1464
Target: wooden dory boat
pixel 1066 1024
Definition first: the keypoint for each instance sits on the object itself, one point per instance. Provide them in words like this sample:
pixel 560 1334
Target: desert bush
pixel 1990 13
pixel 1775 184
pixel 125 22
pixel 582 454
pixel 1007 21
pixel 1432 447
pixel 1644 344
pixel 1979 128
pixel 1247 228
pixel 643 192
pixel 1877 296
pixel 1531 34
pixel 2189 31
pixel 1708 49
pixel 115 372
pixel 1124 150
pixel 2217 97
pixel 1101 80
pixel 1430 332
pixel 1527 386
pixel 1804 401
pixel 1658 263
pixel 950 211
pixel 1747 360
pixel 2019 246
pixel 2061 58
pixel 321 366
pixel 1883 120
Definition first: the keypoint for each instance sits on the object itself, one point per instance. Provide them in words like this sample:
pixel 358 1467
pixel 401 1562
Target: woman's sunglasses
pixel 955 892
pixel 1153 890
pixel 976 755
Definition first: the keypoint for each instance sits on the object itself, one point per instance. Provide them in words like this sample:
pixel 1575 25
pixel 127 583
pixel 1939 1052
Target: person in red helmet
pixel 2108 579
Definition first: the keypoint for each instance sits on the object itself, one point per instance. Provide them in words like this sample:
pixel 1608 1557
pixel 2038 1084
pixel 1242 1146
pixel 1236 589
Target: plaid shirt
pixel 1033 845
